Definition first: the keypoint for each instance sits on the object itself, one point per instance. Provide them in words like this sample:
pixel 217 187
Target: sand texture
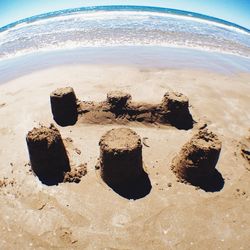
pixel 83 212
pixel 173 110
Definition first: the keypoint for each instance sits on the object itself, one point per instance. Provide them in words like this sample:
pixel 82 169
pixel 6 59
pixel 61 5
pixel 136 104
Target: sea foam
pixel 122 26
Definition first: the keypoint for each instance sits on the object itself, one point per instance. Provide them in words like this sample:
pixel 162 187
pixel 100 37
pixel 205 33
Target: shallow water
pixel 122 26
pixel 139 56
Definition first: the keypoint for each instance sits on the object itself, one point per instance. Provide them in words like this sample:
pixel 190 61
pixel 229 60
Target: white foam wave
pixel 129 15
pixel 103 28
pixel 69 45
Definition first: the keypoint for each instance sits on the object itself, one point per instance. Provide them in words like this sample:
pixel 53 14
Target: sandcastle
pixel 47 153
pixel 197 159
pixel 121 165
pixel 64 106
pixel 119 108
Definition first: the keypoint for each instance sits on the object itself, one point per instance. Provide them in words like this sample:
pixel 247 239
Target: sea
pixel 119 26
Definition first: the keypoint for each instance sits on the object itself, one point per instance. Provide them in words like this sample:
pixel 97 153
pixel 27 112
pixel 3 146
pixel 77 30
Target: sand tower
pixel 64 106
pixel 118 100
pixel 47 153
pixel 175 110
pixel 197 159
pixel 121 163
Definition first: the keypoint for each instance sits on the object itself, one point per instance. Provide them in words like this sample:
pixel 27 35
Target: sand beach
pixel 90 214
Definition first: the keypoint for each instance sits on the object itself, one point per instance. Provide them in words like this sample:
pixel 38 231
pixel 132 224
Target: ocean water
pixel 122 26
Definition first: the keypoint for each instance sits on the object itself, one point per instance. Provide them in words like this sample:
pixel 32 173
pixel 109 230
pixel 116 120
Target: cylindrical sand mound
pixel 197 158
pixel 175 101
pixel 47 153
pixel 120 156
pixel 118 100
pixel 176 112
pixel 64 106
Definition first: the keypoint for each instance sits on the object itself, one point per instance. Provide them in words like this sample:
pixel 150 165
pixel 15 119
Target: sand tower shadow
pixel 121 165
pixel 214 182
pixel 134 189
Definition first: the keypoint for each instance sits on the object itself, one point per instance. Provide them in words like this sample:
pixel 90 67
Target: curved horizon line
pixel 124 8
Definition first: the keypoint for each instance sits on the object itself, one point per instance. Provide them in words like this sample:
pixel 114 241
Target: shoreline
pixel 139 56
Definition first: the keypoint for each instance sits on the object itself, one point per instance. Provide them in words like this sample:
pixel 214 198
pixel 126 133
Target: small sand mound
pixel 176 112
pixel 64 106
pixel 121 163
pixel 76 174
pixel 197 159
pixel 47 153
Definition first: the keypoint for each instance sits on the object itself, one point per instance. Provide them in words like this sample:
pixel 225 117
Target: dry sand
pixel 90 215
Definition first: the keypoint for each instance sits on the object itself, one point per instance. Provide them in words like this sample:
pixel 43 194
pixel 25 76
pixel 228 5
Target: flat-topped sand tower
pixel 197 159
pixel 47 153
pixel 121 156
pixel 175 109
pixel 118 100
pixel 121 163
pixel 64 106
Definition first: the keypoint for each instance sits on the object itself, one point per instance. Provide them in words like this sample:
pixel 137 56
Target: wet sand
pixel 139 56
pixel 90 214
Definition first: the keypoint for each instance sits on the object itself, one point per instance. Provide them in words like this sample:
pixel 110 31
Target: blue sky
pixel 236 11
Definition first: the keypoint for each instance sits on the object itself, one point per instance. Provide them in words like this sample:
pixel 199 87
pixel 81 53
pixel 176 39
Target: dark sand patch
pixel 2 104
pixel 6 182
pixel 245 149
